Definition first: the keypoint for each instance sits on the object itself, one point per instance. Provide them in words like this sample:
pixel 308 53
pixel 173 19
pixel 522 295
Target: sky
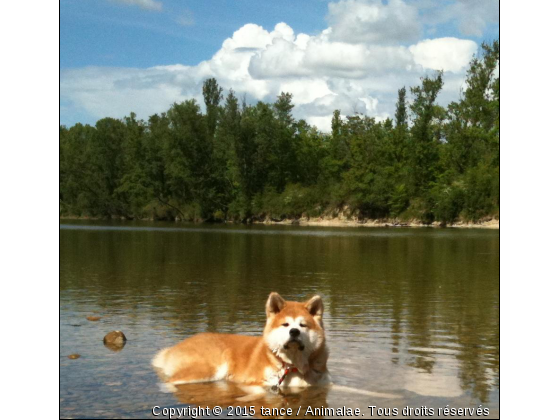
pixel 122 56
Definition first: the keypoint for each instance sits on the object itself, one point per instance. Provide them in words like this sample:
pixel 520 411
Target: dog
pixel 292 352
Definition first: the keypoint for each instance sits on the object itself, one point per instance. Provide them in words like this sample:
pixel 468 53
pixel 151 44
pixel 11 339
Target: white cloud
pixel 470 16
pixel 249 36
pixel 322 123
pixel 374 22
pixel 305 90
pixel 475 15
pixel 323 72
pixel 144 4
pixel 104 92
pixel 279 59
pixel 449 54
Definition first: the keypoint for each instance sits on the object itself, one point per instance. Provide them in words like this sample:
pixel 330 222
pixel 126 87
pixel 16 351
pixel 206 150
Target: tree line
pixel 244 162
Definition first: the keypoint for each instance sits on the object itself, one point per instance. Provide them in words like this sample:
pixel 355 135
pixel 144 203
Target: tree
pixel 474 121
pixel 424 140
pixel 241 160
pixel 401 115
pixel 212 94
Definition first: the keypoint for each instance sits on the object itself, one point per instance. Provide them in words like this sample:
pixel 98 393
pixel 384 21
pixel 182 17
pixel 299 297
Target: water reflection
pixel 232 395
pixel 408 311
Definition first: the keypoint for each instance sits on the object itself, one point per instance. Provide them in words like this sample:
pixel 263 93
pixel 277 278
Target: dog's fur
pixel 260 361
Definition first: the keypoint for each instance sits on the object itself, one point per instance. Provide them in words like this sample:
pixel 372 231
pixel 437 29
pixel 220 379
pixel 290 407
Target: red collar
pixel 287 370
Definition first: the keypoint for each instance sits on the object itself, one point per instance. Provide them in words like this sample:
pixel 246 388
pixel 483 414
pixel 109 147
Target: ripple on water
pixel 411 312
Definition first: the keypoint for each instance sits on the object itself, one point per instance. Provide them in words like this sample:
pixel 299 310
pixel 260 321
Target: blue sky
pixel 112 33
pixel 119 56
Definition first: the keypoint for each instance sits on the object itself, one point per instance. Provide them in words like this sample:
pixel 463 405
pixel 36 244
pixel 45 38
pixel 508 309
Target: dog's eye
pixel 303 325
pixel 285 324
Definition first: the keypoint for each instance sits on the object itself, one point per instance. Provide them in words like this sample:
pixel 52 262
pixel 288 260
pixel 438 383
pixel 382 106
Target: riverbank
pixel 332 222
pixel 343 222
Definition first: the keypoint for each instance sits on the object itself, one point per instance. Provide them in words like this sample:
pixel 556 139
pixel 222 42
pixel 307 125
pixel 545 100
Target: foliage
pixel 237 161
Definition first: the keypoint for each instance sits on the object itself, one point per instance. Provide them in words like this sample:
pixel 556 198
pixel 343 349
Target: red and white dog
pixel 291 352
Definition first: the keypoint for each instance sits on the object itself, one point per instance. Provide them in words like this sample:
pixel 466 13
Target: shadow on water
pixel 413 312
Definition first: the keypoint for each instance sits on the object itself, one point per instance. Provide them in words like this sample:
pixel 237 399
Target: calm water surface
pixel 411 312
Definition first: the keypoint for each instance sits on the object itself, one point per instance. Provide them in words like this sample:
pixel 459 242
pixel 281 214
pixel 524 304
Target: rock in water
pixel 115 340
pixel 74 356
pixel 93 318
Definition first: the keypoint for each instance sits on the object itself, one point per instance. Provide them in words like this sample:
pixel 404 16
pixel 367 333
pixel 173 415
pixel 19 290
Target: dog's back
pixel 292 351
pixel 209 357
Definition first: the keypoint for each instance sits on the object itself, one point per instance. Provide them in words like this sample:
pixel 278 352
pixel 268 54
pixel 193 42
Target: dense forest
pixel 252 162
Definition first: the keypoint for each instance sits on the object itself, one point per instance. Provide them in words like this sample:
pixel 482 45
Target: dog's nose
pixel 294 332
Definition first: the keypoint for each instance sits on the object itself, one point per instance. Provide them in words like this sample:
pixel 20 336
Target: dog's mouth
pixel 294 343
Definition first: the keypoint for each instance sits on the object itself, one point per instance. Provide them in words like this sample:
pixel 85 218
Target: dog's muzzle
pixel 294 342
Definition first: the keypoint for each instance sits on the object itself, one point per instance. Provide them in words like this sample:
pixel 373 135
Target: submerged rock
pixel 74 356
pixel 115 340
pixel 93 318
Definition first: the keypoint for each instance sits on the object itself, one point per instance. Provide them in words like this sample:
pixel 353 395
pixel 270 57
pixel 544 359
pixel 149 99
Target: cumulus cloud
pixel 448 54
pixel 144 4
pixel 324 72
pixel 319 56
pixel 374 22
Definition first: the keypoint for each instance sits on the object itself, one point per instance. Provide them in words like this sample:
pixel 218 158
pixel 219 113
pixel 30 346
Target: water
pixel 409 312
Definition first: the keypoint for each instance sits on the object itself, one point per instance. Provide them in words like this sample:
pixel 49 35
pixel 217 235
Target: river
pixel 412 312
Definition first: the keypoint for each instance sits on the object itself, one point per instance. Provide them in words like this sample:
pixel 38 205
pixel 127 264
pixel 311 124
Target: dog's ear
pixel 274 304
pixel 315 307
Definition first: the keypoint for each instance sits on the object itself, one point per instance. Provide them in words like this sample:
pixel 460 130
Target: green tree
pixel 242 161
pixel 212 94
pixel 424 140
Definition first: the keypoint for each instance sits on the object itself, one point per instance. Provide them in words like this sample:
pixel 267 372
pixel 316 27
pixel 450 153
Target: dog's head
pixel 294 330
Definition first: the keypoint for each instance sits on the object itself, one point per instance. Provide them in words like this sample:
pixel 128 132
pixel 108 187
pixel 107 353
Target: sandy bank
pixel 344 222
